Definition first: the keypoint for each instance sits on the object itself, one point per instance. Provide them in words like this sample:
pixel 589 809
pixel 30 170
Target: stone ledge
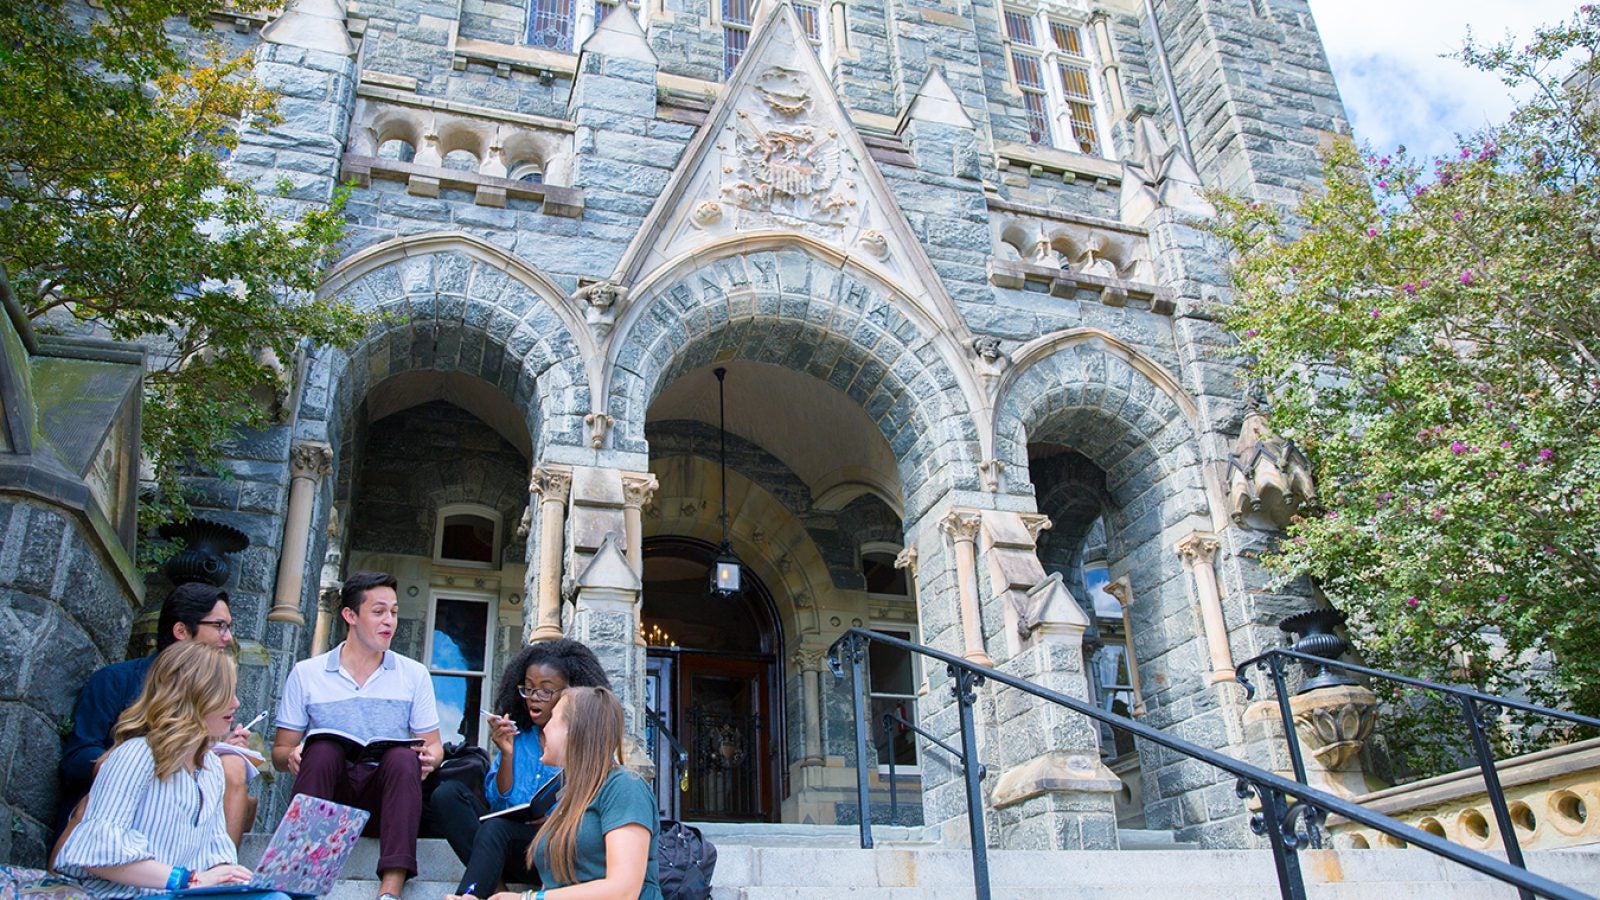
pixel 1054 773
pixel 427 181
pixel 508 58
pixel 1064 162
pixel 1066 284
pixel 373 91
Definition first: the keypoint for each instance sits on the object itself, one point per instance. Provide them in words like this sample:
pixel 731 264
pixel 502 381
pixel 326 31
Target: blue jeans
pixel 242 895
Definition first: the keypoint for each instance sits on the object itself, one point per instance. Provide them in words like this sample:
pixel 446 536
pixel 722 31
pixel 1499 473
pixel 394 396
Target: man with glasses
pixel 192 612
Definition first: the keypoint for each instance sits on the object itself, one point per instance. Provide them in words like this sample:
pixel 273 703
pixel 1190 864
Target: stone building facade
pixel 952 257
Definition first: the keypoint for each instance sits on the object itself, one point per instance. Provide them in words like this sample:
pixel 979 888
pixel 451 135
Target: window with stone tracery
pixel 738 18
pixel 1050 65
pixel 564 25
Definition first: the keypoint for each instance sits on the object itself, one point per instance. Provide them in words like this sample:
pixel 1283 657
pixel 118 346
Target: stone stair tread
pixel 768 864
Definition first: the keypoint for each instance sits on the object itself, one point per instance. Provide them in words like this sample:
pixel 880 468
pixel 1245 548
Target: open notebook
pixel 540 805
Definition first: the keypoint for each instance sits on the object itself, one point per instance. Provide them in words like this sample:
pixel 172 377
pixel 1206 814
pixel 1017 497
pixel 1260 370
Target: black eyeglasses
pixel 529 693
pixel 222 625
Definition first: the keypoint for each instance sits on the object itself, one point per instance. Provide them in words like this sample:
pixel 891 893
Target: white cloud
pixel 1390 59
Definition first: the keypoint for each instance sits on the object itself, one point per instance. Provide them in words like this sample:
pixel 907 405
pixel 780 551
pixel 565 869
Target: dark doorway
pixel 715 679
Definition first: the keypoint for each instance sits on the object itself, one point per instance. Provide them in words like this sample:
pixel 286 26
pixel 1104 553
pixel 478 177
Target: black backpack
pixel 684 862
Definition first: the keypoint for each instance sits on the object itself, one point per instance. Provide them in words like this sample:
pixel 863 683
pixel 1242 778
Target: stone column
pixel 962 528
pixel 327 604
pixel 1198 551
pixel 1099 21
pixel 1122 589
pixel 553 485
pixel 308 461
pixel 810 661
pixel 637 489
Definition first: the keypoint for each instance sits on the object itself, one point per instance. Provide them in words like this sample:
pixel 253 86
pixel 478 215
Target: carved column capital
pixel 552 484
pixel 1036 523
pixel 638 489
pixel 1199 548
pixel 962 525
pixel 1122 589
pixel 810 659
pixel 310 459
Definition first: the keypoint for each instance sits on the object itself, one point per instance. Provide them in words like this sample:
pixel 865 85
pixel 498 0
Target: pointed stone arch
pixel 1129 421
pixel 455 303
pixel 798 305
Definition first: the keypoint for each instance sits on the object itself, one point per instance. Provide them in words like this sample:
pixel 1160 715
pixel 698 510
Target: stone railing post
pixel 553 485
pixel 1198 552
pixel 308 461
pixel 962 528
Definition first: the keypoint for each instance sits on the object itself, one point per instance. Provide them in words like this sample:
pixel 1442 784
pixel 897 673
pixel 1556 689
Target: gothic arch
pixel 450 302
pixel 1122 409
pixel 803 306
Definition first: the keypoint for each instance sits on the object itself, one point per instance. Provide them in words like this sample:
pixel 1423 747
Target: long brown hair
pixel 593 717
pixel 188 681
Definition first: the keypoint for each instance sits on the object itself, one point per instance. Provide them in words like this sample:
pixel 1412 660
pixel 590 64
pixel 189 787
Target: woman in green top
pixel 599 843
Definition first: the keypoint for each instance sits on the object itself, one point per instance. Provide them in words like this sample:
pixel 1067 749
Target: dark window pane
pixel 881 576
pixel 467 538
pixel 890 670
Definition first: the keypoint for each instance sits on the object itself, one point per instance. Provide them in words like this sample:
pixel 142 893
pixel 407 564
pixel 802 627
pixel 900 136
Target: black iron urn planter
pixel 206 546
pixel 1316 637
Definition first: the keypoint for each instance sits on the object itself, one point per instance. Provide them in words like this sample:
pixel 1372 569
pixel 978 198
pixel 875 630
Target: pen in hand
pixel 256 721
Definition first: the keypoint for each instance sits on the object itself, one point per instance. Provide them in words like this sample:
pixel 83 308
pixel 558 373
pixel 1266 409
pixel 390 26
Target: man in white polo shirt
pixel 341 713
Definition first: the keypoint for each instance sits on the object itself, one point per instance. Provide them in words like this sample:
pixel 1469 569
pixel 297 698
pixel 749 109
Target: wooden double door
pixel 720 709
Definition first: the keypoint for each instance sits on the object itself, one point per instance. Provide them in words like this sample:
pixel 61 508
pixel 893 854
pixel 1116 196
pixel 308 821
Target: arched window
pixel 879 572
pixel 467 535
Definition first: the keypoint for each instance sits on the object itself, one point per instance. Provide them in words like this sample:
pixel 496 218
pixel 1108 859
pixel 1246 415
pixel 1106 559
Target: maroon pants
pixel 390 790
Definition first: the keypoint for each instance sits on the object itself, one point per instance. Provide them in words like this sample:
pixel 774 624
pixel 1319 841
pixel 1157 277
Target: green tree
pixel 1429 331
pixel 117 208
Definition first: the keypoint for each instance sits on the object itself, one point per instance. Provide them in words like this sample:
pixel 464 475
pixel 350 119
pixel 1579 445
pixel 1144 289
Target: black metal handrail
pixel 1276 820
pixel 1474 704
pixel 890 720
pixel 680 759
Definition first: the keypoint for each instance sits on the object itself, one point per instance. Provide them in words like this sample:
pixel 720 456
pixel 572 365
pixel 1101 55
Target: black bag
pixel 463 762
pixel 684 862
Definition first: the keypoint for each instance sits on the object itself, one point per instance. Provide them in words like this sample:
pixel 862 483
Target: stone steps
pixel 790 863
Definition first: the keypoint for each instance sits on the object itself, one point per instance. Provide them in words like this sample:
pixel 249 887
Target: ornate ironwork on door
pixel 726 778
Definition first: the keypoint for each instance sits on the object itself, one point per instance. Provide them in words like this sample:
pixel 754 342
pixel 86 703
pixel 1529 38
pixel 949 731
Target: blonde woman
pixel 599 843
pixel 155 822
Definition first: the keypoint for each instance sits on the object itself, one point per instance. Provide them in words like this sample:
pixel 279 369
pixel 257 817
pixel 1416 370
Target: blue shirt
pixel 528 773
pixel 109 691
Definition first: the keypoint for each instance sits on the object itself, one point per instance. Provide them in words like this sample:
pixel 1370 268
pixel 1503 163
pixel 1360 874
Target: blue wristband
pixel 178 880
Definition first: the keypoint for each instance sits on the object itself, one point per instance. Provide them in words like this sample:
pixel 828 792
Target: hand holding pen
pixel 503 731
pixel 240 736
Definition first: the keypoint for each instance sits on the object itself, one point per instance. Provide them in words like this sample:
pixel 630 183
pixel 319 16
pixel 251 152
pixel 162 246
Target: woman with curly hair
pixel 155 823
pixel 495 850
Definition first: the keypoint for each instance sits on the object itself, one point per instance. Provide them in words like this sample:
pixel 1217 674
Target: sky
pixel 1386 57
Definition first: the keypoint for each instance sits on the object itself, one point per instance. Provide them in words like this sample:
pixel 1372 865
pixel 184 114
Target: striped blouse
pixel 132 815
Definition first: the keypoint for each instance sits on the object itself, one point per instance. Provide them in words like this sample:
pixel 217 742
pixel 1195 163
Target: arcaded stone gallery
pixel 951 260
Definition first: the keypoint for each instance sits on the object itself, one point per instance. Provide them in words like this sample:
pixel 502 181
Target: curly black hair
pixel 573 659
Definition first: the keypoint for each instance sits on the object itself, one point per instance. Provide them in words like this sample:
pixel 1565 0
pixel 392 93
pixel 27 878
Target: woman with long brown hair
pixel 599 843
pixel 155 822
